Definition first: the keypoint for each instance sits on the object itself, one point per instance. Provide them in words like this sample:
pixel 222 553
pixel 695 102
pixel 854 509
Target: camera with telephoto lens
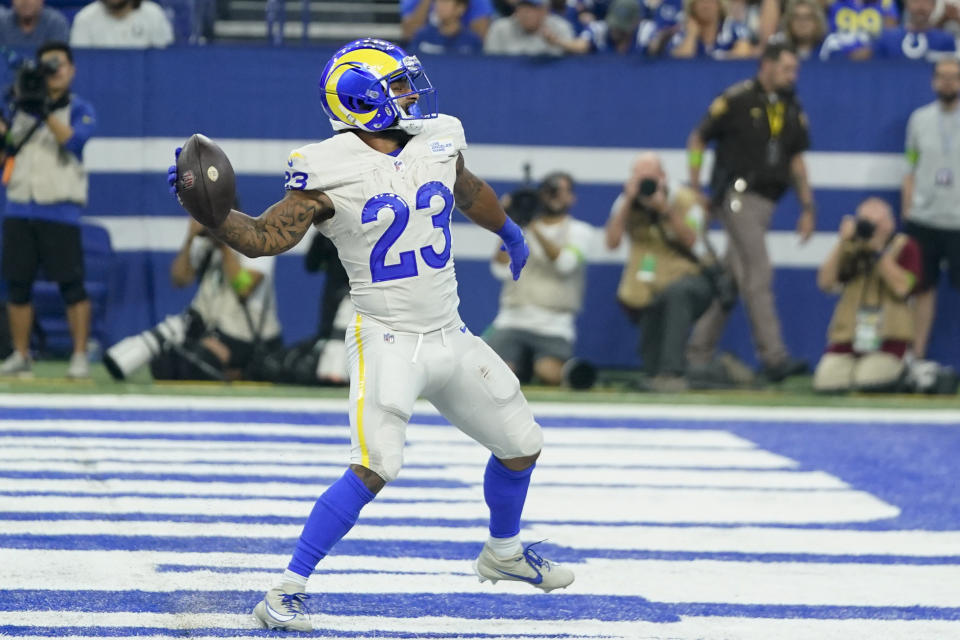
pixel 30 86
pixel 172 349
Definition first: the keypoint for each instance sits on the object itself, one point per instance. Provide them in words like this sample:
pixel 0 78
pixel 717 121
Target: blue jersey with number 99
pixel 391 224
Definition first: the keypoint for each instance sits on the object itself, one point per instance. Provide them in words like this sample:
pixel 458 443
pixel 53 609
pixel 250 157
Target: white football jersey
pixel 391 224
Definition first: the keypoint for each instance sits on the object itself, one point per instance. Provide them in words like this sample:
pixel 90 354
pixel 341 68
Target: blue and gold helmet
pixel 355 86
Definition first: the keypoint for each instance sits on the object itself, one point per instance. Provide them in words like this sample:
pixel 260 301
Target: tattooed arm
pixel 279 228
pixel 479 203
pixel 477 200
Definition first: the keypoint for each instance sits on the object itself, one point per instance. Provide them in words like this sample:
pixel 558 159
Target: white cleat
pixel 283 608
pixel 526 567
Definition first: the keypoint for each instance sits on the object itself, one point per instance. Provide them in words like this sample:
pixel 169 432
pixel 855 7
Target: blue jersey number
pixel 296 180
pixel 407 267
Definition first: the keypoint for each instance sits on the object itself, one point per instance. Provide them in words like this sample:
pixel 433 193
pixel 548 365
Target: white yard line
pixel 947 417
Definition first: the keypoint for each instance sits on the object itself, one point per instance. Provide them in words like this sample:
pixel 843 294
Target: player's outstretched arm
pixel 279 228
pixel 478 201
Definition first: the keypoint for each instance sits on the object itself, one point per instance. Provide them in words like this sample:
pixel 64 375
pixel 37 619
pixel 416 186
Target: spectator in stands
pixel 415 14
pixel 121 24
pixel 618 32
pixel 918 39
pixel 946 16
pixel 931 193
pixel 874 270
pixel 661 21
pixel 804 27
pixel 448 35
pixel 46 191
pixel 762 18
pixel 709 32
pixel 531 31
pixel 572 12
pixel 29 24
pixel 230 324
pixel 867 17
pixel 536 322
pixel 663 287
pixel 755 165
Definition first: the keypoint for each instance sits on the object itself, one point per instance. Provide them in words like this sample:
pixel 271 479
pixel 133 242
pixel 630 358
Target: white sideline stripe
pixel 429 453
pixel 780 583
pixel 469 474
pixel 415 433
pixel 812 584
pixel 754 540
pixel 290 490
pixel 548 504
pixel 213 489
pixel 593 165
pixel 573 410
pixel 325 459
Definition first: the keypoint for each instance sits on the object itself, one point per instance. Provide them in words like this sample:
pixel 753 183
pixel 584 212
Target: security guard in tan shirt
pixel 761 133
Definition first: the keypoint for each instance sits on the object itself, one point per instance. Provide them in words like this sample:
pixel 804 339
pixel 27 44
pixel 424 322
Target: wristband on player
pixel 510 233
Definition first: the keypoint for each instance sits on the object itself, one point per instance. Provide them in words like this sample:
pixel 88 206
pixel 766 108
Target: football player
pixel 382 189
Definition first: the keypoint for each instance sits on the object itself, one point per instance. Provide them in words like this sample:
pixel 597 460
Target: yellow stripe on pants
pixel 361 390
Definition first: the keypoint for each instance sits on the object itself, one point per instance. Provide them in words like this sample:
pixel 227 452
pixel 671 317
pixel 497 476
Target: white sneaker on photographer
pixel 79 366
pixel 16 365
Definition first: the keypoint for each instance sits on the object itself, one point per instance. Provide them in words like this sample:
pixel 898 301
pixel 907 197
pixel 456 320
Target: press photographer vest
pixel 541 284
pixel 653 264
pixel 866 290
pixel 43 171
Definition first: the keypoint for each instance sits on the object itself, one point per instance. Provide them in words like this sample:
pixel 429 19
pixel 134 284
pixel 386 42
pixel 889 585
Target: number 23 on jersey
pixel 407 266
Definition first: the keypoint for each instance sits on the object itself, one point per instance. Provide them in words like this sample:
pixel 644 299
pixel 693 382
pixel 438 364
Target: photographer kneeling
pixel 875 271
pixel 536 322
pixel 664 287
pixel 230 325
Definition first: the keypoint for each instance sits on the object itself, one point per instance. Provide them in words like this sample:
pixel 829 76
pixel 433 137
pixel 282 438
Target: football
pixel 206 184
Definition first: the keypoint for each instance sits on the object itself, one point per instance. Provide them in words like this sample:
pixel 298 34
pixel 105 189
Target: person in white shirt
pixel 536 322
pixel 121 24
pixel 531 31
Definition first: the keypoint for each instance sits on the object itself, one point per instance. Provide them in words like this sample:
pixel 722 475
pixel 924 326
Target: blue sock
pixel 335 513
pixel 505 492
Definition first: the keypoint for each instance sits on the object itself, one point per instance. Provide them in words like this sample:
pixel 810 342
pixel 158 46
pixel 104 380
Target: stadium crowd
pixel 712 29
pixel 715 29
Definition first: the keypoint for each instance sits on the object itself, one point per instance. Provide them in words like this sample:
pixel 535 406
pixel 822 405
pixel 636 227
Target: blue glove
pixel 515 245
pixel 172 172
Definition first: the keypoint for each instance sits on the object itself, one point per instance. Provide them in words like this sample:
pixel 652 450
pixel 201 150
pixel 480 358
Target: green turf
pixel 49 378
